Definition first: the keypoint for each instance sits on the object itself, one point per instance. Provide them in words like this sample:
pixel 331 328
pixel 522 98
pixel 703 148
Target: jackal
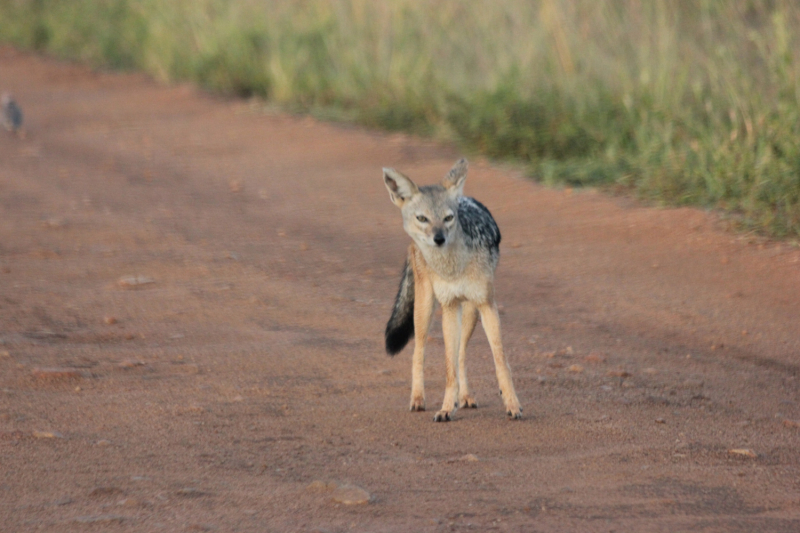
pixel 453 257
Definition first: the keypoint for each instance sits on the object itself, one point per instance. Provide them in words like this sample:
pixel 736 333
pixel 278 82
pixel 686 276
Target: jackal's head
pixel 430 212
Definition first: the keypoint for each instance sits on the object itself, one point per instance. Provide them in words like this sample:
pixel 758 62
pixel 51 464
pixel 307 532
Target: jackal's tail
pixel 400 327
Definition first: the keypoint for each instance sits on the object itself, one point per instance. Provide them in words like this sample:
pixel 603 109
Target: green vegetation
pixel 684 102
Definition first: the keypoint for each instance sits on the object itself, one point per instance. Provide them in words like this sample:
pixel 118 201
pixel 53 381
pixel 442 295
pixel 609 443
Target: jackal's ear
pixel 454 181
pixel 400 187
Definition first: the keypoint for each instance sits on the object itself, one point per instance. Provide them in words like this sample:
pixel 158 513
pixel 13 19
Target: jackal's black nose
pixel 438 239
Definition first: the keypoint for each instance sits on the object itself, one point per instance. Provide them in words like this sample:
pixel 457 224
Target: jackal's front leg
pixel 423 310
pixel 491 325
pixel 451 327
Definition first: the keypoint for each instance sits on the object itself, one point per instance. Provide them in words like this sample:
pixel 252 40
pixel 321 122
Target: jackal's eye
pixel 422 218
pixel 448 218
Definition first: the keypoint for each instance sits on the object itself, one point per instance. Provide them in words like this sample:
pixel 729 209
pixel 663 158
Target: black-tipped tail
pixel 400 327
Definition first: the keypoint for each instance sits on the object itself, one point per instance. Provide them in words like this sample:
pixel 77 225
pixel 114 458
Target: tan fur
pixel 460 278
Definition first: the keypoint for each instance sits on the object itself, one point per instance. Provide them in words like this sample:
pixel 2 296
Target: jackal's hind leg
pixel 491 325
pixel 469 317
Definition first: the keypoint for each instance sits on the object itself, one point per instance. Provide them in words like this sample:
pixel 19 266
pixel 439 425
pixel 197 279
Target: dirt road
pixel 192 300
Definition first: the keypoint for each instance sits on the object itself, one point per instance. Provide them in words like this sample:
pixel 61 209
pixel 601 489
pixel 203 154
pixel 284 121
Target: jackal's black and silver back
pixel 480 229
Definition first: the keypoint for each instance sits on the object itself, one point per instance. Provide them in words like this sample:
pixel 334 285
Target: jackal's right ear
pixel 400 187
pixel 454 181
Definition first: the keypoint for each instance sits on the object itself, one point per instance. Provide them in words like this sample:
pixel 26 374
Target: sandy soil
pixel 192 300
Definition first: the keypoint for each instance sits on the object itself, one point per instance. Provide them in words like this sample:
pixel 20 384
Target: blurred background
pixel 682 102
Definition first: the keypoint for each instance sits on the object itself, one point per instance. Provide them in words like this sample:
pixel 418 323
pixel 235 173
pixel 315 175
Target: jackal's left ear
pixel 400 187
pixel 454 181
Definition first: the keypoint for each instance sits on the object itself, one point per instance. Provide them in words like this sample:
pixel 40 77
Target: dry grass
pixel 683 102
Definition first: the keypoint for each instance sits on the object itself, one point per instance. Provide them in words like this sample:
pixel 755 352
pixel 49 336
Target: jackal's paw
pixel 514 413
pixel 417 404
pixel 442 416
pixel 468 402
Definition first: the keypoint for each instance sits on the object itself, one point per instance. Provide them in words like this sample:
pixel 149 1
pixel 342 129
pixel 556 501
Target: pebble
pixel 192 408
pixel 133 282
pixel 54 223
pixel 201 527
pixel 350 495
pixel 97 519
pixel 190 492
pixel 595 358
pixel 743 452
pixel 110 320
pixel 345 494
pixel 693 383
pixel 186 369
pixel 127 363
pixel 56 374
pixel 467 458
pixel 321 486
pixel 105 491
pixel 47 435
pixel 131 502
pixel 103 443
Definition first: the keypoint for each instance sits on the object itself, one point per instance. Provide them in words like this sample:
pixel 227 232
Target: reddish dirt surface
pixel 646 343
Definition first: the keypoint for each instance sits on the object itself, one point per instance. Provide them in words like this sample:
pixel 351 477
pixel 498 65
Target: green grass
pixel 683 102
